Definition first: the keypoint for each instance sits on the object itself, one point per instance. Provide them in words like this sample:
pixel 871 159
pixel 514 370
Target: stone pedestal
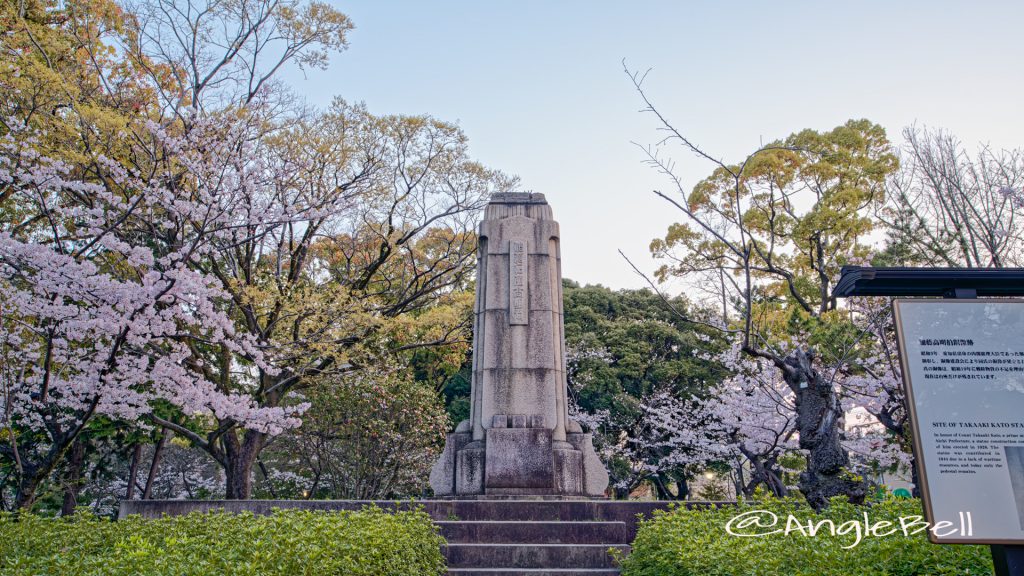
pixel 519 439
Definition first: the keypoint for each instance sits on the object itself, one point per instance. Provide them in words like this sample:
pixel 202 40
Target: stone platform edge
pixel 627 511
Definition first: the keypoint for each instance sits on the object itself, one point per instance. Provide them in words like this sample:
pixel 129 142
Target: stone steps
pixel 533 547
pixel 538 510
pixel 532 572
pixel 546 556
pixel 534 532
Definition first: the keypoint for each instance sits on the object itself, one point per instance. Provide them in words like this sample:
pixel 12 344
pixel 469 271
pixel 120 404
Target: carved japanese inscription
pixel 518 312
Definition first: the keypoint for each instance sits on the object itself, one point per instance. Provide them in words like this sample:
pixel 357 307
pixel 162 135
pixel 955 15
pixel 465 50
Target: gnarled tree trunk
pixel 819 416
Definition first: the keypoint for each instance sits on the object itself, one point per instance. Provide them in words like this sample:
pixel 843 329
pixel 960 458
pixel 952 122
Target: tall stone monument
pixel 519 440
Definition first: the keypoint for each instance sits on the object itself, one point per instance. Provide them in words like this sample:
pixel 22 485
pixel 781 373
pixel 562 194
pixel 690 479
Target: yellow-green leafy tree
pixel 768 236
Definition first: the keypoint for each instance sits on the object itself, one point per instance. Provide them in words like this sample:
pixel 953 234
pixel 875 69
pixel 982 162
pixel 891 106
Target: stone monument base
pixel 532 498
pixel 517 460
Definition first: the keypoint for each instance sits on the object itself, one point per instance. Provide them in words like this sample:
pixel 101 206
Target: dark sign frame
pixel 908 391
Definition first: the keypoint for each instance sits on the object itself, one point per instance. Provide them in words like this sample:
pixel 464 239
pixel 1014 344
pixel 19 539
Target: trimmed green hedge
pixel 370 542
pixel 682 542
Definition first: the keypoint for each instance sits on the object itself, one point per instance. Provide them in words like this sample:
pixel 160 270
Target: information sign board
pixel 963 369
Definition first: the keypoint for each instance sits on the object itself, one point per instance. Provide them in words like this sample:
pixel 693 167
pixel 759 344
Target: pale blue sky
pixel 538 87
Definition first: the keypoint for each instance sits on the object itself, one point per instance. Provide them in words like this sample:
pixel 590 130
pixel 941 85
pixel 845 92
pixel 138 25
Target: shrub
pixel 367 436
pixel 682 542
pixel 370 542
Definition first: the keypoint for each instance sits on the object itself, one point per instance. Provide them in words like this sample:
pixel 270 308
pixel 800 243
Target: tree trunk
pixel 683 488
pixel 662 482
pixel 133 471
pixel 73 478
pixel 775 483
pixel 765 472
pixel 270 485
pixel 661 488
pixel 33 475
pixel 739 484
pixel 240 457
pixel 818 422
pixel 154 466
pixel 25 496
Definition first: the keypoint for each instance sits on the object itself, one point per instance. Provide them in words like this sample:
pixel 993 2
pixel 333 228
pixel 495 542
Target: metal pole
pixel 1008 560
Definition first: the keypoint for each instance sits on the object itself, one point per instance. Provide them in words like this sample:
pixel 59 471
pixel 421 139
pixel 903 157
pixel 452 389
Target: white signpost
pixel 963 367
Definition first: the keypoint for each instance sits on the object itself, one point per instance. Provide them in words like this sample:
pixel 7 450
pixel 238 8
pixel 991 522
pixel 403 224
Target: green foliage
pixel 713 490
pixel 682 542
pixel 640 346
pixel 802 206
pixel 366 436
pixel 370 542
pixel 623 346
pixel 456 392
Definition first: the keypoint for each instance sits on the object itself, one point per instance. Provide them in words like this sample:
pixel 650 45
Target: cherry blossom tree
pixel 747 420
pixel 752 416
pixel 275 243
pixel 672 439
pixel 130 156
pixel 871 385
pixel 101 298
